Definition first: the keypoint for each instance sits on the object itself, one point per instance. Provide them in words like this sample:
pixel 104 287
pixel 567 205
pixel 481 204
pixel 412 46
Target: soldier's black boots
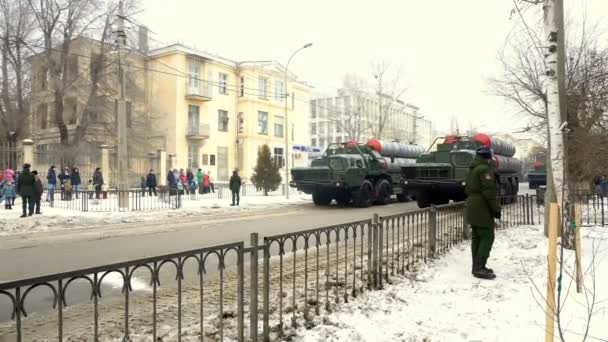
pixel 479 270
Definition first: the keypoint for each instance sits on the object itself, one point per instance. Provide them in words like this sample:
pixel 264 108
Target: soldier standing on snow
pixel 481 210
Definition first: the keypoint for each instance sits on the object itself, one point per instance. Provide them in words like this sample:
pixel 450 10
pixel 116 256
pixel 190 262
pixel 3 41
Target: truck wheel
pixel 423 199
pixel 342 198
pixel 383 191
pixel 362 198
pixel 403 197
pixel 320 198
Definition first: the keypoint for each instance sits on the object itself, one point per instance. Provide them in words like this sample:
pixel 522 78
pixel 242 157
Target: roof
pixel 180 48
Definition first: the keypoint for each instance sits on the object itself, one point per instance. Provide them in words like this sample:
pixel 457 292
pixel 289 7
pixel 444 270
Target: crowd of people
pixel 68 183
pixel 186 182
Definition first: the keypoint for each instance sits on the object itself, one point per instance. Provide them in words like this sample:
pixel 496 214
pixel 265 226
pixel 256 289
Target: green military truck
pixel 538 176
pixel 356 173
pixel 438 175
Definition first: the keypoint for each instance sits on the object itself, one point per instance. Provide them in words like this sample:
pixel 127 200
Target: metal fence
pixel 208 294
pixel 138 199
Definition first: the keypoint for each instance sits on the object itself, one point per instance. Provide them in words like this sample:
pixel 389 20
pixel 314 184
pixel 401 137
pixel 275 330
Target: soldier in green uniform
pixel 25 189
pixel 481 209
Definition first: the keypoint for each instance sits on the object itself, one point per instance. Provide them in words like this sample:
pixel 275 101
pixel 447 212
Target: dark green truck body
pixel 439 176
pixel 346 174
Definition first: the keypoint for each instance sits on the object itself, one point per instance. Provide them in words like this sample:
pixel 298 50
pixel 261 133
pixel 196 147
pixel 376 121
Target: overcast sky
pixel 446 48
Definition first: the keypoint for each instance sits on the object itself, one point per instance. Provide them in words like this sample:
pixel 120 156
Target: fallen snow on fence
pixel 445 303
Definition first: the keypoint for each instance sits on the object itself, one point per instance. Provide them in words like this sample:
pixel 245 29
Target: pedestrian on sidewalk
pixel 151 182
pixel 481 209
pixel 235 188
pixel 51 181
pixel 211 185
pixel 8 192
pixel 38 190
pixel 199 179
pixel 97 182
pixel 25 189
pixel 90 189
pixel 65 175
pixel 206 183
pixel 76 181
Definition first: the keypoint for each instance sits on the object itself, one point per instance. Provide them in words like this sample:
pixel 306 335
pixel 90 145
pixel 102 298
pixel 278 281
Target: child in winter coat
pixel 90 188
pixel 67 187
pixel 8 193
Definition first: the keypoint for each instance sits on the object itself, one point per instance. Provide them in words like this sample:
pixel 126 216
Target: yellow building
pixel 216 112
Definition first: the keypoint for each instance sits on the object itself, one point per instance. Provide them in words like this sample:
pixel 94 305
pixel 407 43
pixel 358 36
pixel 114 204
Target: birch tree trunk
pixel 556 139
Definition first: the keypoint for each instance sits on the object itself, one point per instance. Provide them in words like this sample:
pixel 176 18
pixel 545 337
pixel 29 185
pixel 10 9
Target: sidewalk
pixel 445 303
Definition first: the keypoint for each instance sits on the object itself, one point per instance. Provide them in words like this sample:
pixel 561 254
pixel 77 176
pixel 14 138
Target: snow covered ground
pixel 54 219
pixel 443 302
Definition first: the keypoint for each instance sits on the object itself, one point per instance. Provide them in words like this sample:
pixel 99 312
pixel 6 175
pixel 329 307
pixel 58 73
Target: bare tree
pixel 352 117
pixel 388 94
pixel 16 31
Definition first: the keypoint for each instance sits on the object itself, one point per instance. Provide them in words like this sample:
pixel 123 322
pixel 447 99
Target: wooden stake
pixel 577 244
pixel 552 256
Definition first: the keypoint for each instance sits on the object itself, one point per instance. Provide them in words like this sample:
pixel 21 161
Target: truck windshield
pixel 336 164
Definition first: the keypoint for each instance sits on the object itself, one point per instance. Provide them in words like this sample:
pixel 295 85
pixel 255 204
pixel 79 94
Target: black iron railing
pixel 291 278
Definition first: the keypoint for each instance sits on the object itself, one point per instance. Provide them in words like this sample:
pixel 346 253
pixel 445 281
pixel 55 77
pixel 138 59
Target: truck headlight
pixel 404 182
pixel 338 184
pixel 463 183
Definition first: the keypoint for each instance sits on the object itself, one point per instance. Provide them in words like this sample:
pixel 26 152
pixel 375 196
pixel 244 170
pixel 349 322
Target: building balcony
pixel 198 133
pixel 199 91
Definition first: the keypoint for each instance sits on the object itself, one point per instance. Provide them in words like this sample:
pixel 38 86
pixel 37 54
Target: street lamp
pixel 12 145
pixel 286 129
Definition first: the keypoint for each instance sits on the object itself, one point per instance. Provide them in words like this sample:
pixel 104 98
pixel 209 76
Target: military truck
pixel 356 173
pixel 439 175
pixel 538 176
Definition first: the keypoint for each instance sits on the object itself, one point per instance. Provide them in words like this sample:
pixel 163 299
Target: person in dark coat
pixel 172 182
pixel 25 189
pixel 63 176
pixel 38 190
pixel 76 181
pixel 98 182
pixel 235 187
pixel 481 209
pixel 151 182
pixel 51 181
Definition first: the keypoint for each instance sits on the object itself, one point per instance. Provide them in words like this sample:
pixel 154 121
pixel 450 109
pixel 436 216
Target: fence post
pixel 375 249
pixel 253 288
pixel 266 291
pixel 27 146
pixel 381 253
pixel 465 226
pixel 432 232
pixel 241 296
pixel 370 250
pixel 85 202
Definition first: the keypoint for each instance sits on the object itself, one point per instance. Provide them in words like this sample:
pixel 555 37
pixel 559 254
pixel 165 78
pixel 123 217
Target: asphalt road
pixel 67 255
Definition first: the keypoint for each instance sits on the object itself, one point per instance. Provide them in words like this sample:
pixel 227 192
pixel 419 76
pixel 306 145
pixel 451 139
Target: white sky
pixel 446 48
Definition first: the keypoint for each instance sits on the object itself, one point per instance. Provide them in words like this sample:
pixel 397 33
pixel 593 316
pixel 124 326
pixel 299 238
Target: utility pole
pixel 121 115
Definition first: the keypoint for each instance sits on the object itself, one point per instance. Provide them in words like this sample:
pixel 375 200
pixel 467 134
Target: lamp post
pixel 12 147
pixel 286 129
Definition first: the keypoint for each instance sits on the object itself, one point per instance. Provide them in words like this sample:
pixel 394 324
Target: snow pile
pixel 445 303
pixel 57 219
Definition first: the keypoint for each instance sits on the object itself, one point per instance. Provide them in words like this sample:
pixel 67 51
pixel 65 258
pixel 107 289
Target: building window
pixel 293 132
pixel 241 122
pixel 222 120
pixel 278 157
pixel 278 90
pixel 212 159
pixel 262 122
pixel 313 128
pixel 193 76
pixel 313 142
pixel 72 67
pixel 43 115
pixel 71 110
pixel 338 139
pixel 192 155
pixel 43 75
pixel 263 87
pixel 205 159
pixel 313 109
pixel 223 83
pixel 193 120
pixel 242 89
pixel 278 126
